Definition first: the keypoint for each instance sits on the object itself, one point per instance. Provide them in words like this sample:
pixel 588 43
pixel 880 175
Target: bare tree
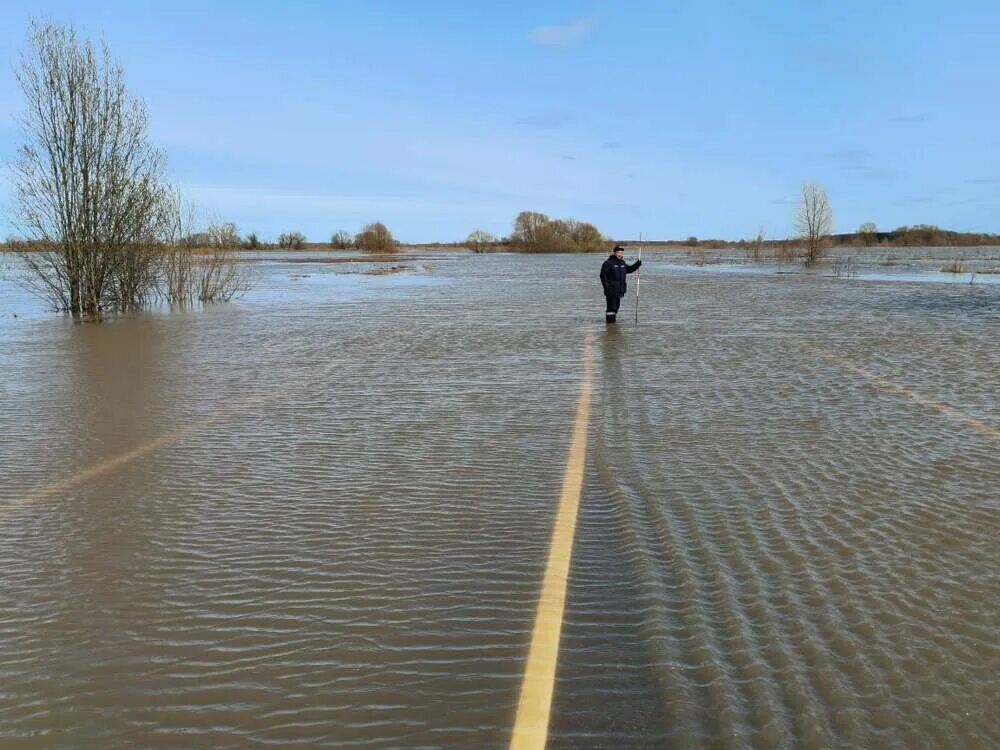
pixel 530 230
pixel 88 187
pixel 341 240
pixel 218 277
pixel 375 238
pixel 188 273
pixel 584 236
pixel 868 233
pixel 814 221
pixel 223 235
pixel 479 240
pixel 291 240
pixel 176 267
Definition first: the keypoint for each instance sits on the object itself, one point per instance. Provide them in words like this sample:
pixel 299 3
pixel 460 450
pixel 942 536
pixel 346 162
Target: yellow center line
pixel 950 411
pixel 109 465
pixel 532 723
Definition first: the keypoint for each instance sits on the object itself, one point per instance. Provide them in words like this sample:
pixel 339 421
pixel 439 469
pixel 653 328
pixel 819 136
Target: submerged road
pixel 453 510
pixel 532 723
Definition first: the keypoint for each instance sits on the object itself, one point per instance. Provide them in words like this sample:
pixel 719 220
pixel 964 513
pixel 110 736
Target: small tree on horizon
pixel 868 233
pixel 291 240
pixel 375 238
pixel 584 235
pixel 755 246
pixel 341 240
pixel 530 230
pixel 225 236
pixel 814 221
pixel 479 240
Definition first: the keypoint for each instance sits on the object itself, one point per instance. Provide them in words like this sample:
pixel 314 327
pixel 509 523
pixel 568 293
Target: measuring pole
pixel 637 282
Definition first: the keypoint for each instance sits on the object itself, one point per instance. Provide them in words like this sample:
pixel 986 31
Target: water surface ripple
pixel 319 516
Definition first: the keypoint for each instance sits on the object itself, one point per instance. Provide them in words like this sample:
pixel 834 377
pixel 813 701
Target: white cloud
pixel 560 36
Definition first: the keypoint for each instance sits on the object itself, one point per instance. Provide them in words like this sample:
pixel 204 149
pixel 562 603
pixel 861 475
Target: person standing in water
pixel 613 274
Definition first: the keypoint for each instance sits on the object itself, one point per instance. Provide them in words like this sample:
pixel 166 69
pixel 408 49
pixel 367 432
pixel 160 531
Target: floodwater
pixel 319 516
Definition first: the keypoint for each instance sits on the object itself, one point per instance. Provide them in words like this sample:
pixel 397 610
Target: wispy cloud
pixel 876 174
pixel 858 162
pixel 560 36
pixel 254 198
pixel 916 200
pixel 908 118
pixel 544 120
pixel 850 156
pixel 611 144
pixel 831 61
pixel 984 181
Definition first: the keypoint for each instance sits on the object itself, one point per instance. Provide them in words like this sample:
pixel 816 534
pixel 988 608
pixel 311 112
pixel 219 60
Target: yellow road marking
pixel 109 465
pixel 532 723
pixel 104 467
pixel 950 411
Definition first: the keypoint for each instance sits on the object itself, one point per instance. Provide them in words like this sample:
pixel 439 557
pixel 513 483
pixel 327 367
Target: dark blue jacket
pixel 613 275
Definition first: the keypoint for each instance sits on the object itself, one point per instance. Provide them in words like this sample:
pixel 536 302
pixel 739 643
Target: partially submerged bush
pixel 375 238
pixel 88 186
pixel 208 277
pixel 755 246
pixel 844 267
pixel 479 241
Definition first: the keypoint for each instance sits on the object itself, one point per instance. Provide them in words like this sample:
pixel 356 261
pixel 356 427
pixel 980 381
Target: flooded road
pixel 321 516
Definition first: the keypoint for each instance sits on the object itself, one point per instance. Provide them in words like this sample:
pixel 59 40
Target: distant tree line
pixel 920 235
pixel 536 233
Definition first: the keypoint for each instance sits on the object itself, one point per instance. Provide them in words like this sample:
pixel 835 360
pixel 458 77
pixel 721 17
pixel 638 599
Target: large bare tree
pixel 88 186
pixel 814 221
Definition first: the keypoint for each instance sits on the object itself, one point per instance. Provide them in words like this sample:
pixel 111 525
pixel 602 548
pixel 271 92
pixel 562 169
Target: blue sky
pixel 669 118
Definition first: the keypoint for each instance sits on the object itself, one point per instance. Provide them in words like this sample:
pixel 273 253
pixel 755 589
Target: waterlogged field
pixel 321 515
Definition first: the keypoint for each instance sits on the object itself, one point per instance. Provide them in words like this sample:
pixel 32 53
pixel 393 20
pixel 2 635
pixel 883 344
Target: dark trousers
pixel 614 301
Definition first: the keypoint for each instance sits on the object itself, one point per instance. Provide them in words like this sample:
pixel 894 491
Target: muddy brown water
pixel 319 516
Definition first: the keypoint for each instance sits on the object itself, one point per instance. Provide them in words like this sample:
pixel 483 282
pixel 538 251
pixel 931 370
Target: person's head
pixel 618 252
